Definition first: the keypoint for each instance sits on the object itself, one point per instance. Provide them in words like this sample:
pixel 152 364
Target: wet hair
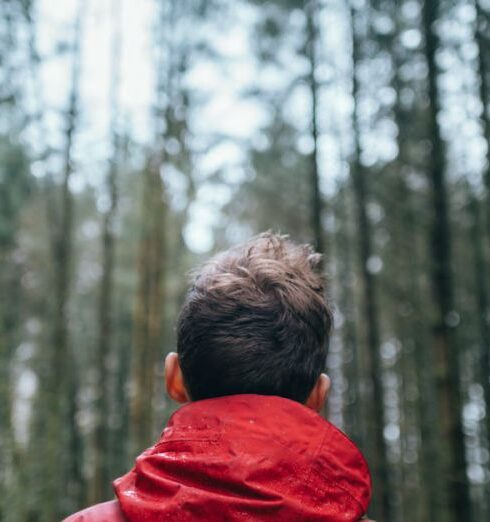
pixel 255 320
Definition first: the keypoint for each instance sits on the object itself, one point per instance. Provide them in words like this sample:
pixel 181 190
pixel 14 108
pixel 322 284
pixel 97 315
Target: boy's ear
pixel 174 380
pixel 319 393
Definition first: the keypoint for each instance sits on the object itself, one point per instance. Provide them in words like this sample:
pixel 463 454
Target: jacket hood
pixel 247 457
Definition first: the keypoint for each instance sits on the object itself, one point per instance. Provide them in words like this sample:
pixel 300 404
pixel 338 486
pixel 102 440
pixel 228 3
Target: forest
pixel 138 138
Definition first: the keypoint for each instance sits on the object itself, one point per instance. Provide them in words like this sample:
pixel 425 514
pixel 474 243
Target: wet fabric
pixel 247 457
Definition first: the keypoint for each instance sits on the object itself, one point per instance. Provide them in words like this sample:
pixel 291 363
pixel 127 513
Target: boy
pixel 249 444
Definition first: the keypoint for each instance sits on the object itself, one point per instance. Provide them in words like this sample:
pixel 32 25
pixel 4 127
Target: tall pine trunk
pixel 61 432
pixel 147 323
pixel 316 197
pixel 416 362
pixel 9 324
pixel 100 487
pixel 483 22
pixel 353 405
pixel 382 506
pixel 482 40
pixel 481 301
pixel 446 319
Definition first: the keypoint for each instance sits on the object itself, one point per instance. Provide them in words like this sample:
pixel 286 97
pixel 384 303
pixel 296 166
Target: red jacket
pixel 242 458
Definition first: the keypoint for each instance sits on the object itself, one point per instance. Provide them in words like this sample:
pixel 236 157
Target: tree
pixel 446 317
pixel 148 306
pixel 316 197
pixel 59 372
pixel 382 503
pixel 101 480
pixel 15 188
pixel 481 37
pixel 354 407
pixel 404 226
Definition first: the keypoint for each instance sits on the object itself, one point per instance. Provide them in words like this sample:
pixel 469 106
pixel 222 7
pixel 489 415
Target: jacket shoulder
pixel 105 512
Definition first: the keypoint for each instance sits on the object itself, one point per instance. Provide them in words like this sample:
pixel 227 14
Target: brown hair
pixel 255 320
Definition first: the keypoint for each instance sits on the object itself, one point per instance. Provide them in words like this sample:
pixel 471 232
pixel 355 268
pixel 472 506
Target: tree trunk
pixel 481 298
pixel 8 321
pixel 483 42
pixel 316 197
pixel 482 22
pixel 418 362
pixel 446 318
pixel 148 308
pixel 354 407
pixel 101 489
pixel 59 429
pixel 381 500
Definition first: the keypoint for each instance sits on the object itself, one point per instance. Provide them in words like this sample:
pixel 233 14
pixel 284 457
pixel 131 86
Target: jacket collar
pixel 265 457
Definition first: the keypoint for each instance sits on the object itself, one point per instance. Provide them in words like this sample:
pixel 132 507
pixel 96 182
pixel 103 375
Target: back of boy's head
pixel 255 320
